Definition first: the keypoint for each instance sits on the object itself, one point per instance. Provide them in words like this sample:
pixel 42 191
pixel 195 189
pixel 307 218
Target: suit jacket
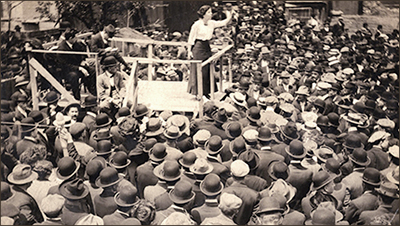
pixel 367 201
pixel 23 145
pixel 353 183
pixel 97 44
pixel 220 169
pixel 115 218
pixel 379 158
pixel 313 199
pixel 145 177
pixel 367 216
pixel 104 86
pixel 266 157
pixel 279 89
pixel 252 181
pixel 26 204
pixel 301 179
pixel 214 130
pixel 104 203
pixel 69 62
pixel 90 122
pixel 207 210
pixel 249 198
pixel 221 219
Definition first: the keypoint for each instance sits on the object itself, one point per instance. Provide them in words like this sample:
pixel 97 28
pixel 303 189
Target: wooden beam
pixel 63 52
pixel 200 88
pixel 34 89
pixel 230 70
pixel 154 42
pixel 50 44
pixel 217 55
pixel 45 74
pixel 150 66
pixel 220 76
pixel 212 79
pixel 143 60
pixel 130 85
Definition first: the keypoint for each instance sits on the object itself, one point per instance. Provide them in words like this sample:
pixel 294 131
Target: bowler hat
pixel 102 134
pixel 109 61
pixel 104 147
pixel 154 127
pixel 251 158
pixel 214 145
pixel 140 110
pixel 278 169
pixel 127 197
pixel 211 185
pixel 108 177
pixel 37 116
pixel 333 119
pixel 67 167
pixel 102 120
pixel 89 101
pixel 360 157
pixel 388 189
pixel 77 129
pixel 22 174
pixel 73 190
pixel 321 178
pixel 73 104
pixel 172 132
pixel 322 216
pixel 188 159
pixel 234 129
pixel 268 205
pixel 371 176
pixel 51 97
pixel 265 134
pixel 158 152
pixel 201 167
pixel 119 160
pixel 332 165
pixel 353 141
pixel 182 192
pixel 220 116
pixel 238 145
pixel 28 124
pixel 123 112
pixel 296 149
pixel 253 114
pixel 148 144
pixel 169 170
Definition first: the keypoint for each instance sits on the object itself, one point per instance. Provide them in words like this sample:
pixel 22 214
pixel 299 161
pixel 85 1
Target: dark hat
pixel 169 170
pixel 104 147
pixel 273 127
pixel 278 169
pixel 148 144
pixel 73 190
pixel 127 197
pixel 237 145
pixel 51 97
pixel 211 185
pixel 37 116
pixel 353 141
pixel 73 104
pixel 296 149
pixel 392 104
pixel 321 178
pixel 102 134
pixel 77 128
pixel 108 177
pixel 188 159
pixel 332 165
pixel 371 176
pixel 253 114
pixel 360 157
pixel 5 191
pixel 154 127
pixel 322 216
pixel 119 160
pixel 214 145
pixel 94 167
pixel 109 61
pixel 89 101
pixel 265 134
pixel 182 192
pixel 319 103
pixel 289 131
pixel 110 29
pixel 67 167
pixel 102 120
pixel 234 129
pixel 358 107
pixel 370 104
pixel 388 189
pixel 172 132
pixel 251 158
pixel 122 112
pixel 158 152
pixel 333 119
pixel 22 174
pixel 5 106
pixel 220 116
pixel 140 110
pixel 268 205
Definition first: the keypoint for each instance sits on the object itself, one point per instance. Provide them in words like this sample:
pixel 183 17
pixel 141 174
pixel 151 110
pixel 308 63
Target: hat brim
pixel 89 105
pixel 371 183
pixel 102 138
pixel 270 171
pixel 53 101
pixel 209 193
pixel 231 96
pixel 345 117
pixel 288 137
pixel 209 170
pixel 101 185
pixel 207 148
pixel 296 156
pixel 128 161
pixel 229 134
pixel 177 200
pixel 360 163
pixel 104 125
pixel 21 83
pixel 267 139
pixel 140 115
pixel 172 137
pixel 29 179
pixel 158 172
pixel 63 191
pixel 117 200
pixel 270 210
pixel 61 177
pixel 154 133
pixel 331 178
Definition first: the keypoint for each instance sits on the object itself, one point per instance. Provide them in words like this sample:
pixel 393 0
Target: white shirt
pixel 204 32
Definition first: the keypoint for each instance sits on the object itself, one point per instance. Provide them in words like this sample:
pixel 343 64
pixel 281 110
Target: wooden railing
pixel 54 43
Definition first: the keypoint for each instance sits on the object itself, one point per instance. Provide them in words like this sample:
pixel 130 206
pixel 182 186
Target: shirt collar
pixel 123 213
pixel 91 114
pixel 102 37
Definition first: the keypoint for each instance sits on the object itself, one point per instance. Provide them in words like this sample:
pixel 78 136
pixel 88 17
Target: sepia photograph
pixel 199 112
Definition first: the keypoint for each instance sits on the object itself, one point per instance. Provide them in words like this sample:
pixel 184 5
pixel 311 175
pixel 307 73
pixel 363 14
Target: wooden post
pixel 230 71
pixel 200 88
pixel 150 66
pixel 221 77
pixel 34 89
pixel 212 79
pixel 123 49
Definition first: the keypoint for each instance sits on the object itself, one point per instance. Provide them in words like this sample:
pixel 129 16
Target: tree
pixel 11 6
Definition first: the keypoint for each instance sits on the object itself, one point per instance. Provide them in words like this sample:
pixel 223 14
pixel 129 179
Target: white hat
pixel 229 202
pixel 239 168
pixel 177 218
pixel 90 219
pixel 201 137
pixel 52 205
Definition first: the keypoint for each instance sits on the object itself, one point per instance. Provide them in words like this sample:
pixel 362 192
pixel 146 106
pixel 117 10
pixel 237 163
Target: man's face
pixel 112 69
pixel 73 113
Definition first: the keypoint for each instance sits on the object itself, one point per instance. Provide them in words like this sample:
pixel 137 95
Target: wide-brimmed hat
pixel 51 97
pixel 201 167
pixel 372 176
pixel 70 105
pixel 108 177
pixel 324 152
pixel 89 101
pixel 238 98
pixel 360 157
pixel 281 187
pixel 321 178
pixel 140 111
pixel 67 167
pixel 211 185
pixel 251 158
pixel 22 174
pixel 188 159
pixel 267 205
pixel 378 135
pixel 289 131
pixel 278 169
pixel 220 116
pixel 388 189
pixel 123 112
pixel 181 121
pixel 119 160
pixel 172 132
pixel 234 129
pixel 302 90
pixel 154 127
pixel 20 80
pixel 386 123
pixel 73 190
pixel 127 197
pixel 168 170
pixel 108 61
pixel 102 120
pixel 37 116
pixel 104 147
pixel 273 127
pixel 158 152
pixel 250 136
pixel 322 216
pixel 214 145
pixel 296 149
pixel 62 120
pixel 353 118
pixel 182 192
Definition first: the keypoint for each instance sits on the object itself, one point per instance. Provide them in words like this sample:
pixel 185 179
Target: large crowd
pixel 308 134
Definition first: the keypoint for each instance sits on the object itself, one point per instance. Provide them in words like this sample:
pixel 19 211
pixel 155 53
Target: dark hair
pixel 203 10
pixel 70 33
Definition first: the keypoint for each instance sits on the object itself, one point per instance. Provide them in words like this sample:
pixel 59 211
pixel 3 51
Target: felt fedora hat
pixel 289 131
pixel 388 189
pixel 172 132
pixel 140 110
pixel 108 177
pixel 22 174
pixel 182 192
pixel 73 190
pixel 211 185
pixel 268 205
pixel 168 170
